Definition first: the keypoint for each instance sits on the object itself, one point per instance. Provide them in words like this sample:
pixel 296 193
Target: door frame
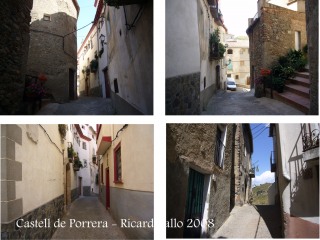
pixel 107 189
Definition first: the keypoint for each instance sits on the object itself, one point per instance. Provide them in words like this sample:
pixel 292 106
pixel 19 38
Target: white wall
pixel 42 166
pixel 182 38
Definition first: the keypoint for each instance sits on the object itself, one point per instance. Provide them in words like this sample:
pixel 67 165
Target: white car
pixel 231 84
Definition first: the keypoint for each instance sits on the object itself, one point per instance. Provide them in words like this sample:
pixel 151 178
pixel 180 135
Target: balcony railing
pixel 310 137
pixel 252 172
pixel 219 154
pixel 273 162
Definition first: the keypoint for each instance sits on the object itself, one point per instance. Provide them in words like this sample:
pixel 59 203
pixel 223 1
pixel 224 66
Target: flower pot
pixel 76 168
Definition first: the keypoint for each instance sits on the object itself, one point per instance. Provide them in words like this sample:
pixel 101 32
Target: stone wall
pixel 193 146
pixel 52 210
pixel 183 95
pixel 74 194
pixel 312 16
pixel 14 41
pixel 53 46
pixel 273 35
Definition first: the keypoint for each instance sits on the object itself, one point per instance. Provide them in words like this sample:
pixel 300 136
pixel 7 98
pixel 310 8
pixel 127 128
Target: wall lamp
pixel 102 39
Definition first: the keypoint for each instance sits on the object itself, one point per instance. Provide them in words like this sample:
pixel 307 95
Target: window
pixel 117 164
pixel 229 75
pixel 237 76
pixel 241 63
pixel 84 145
pixel 230 51
pixel 220 145
pixel 46 17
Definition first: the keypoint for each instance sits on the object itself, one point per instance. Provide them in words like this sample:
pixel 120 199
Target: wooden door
pixel 107 189
pixel 107 82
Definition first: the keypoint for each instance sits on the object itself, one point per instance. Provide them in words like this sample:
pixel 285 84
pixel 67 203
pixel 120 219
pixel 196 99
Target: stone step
pixel 294 100
pixel 303 74
pixel 300 81
pixel 298 89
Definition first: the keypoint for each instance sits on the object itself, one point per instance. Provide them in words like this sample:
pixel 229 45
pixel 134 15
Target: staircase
pixel 296 92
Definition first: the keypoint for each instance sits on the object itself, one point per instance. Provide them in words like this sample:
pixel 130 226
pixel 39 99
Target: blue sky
pixel 262 147
pixel 87 13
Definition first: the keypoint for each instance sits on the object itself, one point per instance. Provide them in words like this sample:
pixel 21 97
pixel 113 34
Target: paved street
pixel 243 102
pixel 81 106
pixel 247 222
pixel 88 209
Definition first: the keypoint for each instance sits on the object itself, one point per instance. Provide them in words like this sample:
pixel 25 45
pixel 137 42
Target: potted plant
pixel 77 164
pixel 70 154
pixel 216 48
pixel 94 65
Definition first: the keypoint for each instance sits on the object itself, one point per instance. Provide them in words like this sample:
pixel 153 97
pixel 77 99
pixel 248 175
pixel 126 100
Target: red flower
pixel 265 72
pixel 42 77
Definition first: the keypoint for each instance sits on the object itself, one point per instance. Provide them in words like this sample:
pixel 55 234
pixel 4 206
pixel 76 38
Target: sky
pixel 236 13
pixel 87 13
pixel 262 147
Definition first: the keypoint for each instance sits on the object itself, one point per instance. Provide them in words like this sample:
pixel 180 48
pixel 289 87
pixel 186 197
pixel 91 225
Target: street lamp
pixel 102 39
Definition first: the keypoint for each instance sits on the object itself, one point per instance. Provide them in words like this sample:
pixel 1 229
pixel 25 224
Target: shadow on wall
pixel 304 200
pixel 176 188
pixel 53 52
pixel 272 217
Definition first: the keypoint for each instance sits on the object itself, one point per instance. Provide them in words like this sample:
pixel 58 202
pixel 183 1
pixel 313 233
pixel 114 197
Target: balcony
pixel 252 172
pixel 273 162
pixel 310 137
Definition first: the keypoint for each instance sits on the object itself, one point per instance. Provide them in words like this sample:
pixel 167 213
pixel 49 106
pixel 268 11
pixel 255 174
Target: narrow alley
pixel 243 102
pixel 251 222
pixel 81 106
pixel 88 209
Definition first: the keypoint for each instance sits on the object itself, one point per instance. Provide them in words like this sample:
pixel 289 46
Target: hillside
pixel 260 194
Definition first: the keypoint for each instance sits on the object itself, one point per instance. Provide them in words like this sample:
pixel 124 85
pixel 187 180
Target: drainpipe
pixel 282 154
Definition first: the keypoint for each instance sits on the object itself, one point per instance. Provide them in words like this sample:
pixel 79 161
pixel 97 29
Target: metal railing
pixel 310 137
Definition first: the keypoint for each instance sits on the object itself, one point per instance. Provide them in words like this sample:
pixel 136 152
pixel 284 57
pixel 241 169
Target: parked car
pixel 231 84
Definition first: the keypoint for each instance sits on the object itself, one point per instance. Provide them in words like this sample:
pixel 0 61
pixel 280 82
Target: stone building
pixel 192 75
pixel 14 41
pixel 295 161
pixel 129 46
pixel 53 46
pixel 278 26
pixel 126 178
pixel 239 66
pixel 204 162
pixel 37 182
pixel 243 171
pixel 312 17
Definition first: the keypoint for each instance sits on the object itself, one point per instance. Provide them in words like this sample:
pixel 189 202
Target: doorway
pixel 107 189
pixel 71 84
pixel 194 206
pixel 80 186
pixel 68 185
pixel 218 77
pixel 107 82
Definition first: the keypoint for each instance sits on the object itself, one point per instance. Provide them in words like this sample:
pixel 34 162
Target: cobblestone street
pixel 81 106
pixel 88 209
pixel 251 222
pixel 243 102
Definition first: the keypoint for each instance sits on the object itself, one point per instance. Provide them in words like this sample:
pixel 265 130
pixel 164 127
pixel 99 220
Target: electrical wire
pixel 45 131
pixel 261 132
